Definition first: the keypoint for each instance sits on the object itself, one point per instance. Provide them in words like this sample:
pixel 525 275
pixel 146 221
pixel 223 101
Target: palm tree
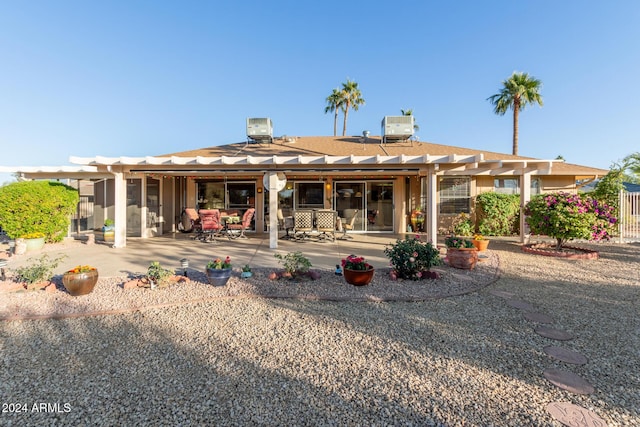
pixel 334 103
pixel 518 90
pixel 351 98
pixel 409 112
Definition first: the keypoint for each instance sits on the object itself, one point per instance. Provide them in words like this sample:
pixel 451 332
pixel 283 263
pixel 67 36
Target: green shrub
pixel 498 214
pixel 37 207
pixel 462 225
pixel 38 271
pixel 294 263
pixel 410 258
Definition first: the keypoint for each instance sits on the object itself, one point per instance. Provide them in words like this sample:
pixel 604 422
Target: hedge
pixel 498 214
pixel 37 207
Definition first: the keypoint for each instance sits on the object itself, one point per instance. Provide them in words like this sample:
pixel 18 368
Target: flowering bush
pixel 36 235
pixel 353 262
pixel 219 264
pixel 80 269
pixel 458 242
pixel 410 258
pixel 565 217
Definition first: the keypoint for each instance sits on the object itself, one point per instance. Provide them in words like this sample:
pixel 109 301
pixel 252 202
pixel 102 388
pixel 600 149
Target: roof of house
pixel 371 146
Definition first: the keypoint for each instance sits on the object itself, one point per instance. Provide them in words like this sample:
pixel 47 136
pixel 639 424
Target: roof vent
pixel 397 128
pixel 260 129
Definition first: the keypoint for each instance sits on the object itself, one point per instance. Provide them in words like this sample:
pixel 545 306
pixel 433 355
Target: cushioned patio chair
pixel 235 231
pixel 210 224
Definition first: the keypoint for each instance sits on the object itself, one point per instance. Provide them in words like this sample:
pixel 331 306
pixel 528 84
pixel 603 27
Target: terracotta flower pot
pixel 481 245
pixel 218 276
pixel 465 258
pixel 358 277
pixel 80 283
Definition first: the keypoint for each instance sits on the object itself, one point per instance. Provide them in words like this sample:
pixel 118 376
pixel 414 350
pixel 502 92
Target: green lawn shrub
pixel 37 207
pixel 498 214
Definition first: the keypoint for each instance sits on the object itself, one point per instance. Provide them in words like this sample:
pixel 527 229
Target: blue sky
pixel 122 78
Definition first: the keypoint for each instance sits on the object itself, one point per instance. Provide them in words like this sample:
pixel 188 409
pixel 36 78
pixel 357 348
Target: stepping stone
pixel 565 355
pixel 568 381
pixel 522 305
pixel 534 316
pixel 502 294
pixel 553 333
pixel 574 415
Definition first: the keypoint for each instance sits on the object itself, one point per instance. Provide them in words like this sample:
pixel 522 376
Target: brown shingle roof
pixel 344 146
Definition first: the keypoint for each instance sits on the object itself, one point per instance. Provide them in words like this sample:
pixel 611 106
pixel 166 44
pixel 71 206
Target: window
pixel 455 195
pixel 512 185
pixel 309 195
pixel 506 185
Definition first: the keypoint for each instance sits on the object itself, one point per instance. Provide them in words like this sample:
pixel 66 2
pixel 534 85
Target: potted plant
pixel 158 275
pixel 109 230
pixel 246 272
pixel 480 242
pixel 219 271
pixel 295 264
pixel 80 280
pixel 461 253
pixel 34 241
pixel 412 258
pixel 357 271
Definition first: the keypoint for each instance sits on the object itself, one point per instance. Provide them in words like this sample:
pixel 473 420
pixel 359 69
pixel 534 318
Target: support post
pixel 525 196
pixel 432 206
pixel 273 210
pixel 120 219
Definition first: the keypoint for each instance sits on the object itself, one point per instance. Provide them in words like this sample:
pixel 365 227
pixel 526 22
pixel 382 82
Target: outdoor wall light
pixel 328 186
pixel 259 190
pixel 184 263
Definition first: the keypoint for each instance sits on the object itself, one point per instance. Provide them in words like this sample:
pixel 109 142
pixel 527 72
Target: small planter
pixel 246 274
pixel 358 277
pixel 80 283
pixel 481 245
pixel 34 244
pixel 218 276
pixel 464 258
pixel 109 236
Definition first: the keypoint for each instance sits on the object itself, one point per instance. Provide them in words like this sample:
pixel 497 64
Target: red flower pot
pixel 358 277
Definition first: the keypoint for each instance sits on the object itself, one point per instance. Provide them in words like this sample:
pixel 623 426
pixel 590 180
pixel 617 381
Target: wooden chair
pixel 348 224
pixel 235 231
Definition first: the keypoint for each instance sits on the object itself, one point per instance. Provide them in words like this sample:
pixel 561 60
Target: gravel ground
pixel 464 360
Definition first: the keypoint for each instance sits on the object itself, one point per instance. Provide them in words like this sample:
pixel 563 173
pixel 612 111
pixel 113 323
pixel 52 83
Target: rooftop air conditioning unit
pixel 260 129
pixel 397 128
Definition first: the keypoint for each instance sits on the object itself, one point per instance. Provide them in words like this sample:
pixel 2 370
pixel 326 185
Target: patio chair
pixel 285 223
pixel 302 224
pixel 348 224
pixel 210 224
pixel 237 230
pixel 326 224
pixel 371 216
pixel 189 221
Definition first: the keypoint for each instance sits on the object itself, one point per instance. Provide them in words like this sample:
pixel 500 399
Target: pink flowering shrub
pixel 566 216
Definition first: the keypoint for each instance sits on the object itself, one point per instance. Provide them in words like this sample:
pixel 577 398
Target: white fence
pixel 629 225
